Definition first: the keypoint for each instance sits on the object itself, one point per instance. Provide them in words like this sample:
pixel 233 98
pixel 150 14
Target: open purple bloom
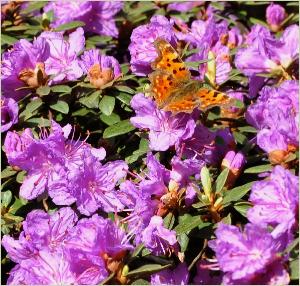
pixel 165 129
pixel 98 16
pixel 63 64
pixel 178 276
pixel 184 6
pixel 101 69
pixel 9 113
pixel 51 249
pixel 157 238
pixel 51 233
pixel 276 201
pixel 141 48
pixel 275 114
pixel 205 145
pixel 248 257
pixel 275 15
pixel 93 184
pixel 24 66
pixel 266 54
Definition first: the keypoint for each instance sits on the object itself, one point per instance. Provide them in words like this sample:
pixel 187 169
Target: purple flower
pixel 24 66
pixel 97 16
pixel 51 249
pixel 100 69
pixel 206 145
pixel 63 64
pixel 205 276
pixel 275 15
pixel 275 115
pixel 265 54
pixel 177 276
pixel 9 113
pixel 184 6
pixel 157 238
pixel 248 257
pixel 276 201
pixel 166 129
pixel 93 185
pixel 51 233
pixel 141 48
pixel 52 162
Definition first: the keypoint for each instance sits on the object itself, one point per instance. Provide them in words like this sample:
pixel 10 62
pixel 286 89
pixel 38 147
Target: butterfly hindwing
pixel 210 98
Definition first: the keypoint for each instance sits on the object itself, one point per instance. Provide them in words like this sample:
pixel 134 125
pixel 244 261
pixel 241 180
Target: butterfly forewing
pixel 169 60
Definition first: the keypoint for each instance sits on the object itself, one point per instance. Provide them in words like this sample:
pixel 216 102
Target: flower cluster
pixel 103 183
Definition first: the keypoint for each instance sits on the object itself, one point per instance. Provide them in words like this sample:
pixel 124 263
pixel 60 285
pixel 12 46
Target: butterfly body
pixel 172 86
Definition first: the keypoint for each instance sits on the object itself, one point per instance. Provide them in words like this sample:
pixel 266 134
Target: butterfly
pixel 173 88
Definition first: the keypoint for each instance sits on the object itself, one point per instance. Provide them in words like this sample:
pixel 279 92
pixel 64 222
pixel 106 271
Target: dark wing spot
pixel 174 71
pixel 215 95
pixel 182 68
pixel 176 60
pixel 168 65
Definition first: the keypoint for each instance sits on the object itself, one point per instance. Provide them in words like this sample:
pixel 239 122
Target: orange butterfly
pixel 172 86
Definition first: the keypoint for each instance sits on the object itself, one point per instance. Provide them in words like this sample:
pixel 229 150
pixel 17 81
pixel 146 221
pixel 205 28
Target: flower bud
pixel 275 15
pixel 235 163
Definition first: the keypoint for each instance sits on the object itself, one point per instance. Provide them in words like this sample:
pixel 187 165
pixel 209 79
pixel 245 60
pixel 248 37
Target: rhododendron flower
pixel 250 257
pixel 265 54
pixel 24 66
pixel 98 16
pixel 166 130
pixel 141 48
pixel 157 238
pixel 276 201
pixel 100 69
pixel 9 113
pixel 178 276
pixel 63 63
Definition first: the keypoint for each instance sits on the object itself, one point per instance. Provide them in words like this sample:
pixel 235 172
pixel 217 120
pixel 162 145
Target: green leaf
pixel 92 100
pixel 183 241
pixel 147 269
pixel 61 88
pixel 111 119
pixel 5 39
pixel 221 180
pixel 33 6
pixel 227 219
pixel 60 106
pixel 258 169
pixel 242 207
pixel 140 282
pixel 237 193
pixel 125 88
pixel 20 177
pixel 206 181
pixel 138 250
pixel 107 104
pixel 18 203
pixel 169 220
pixel 294 267
pixel 6 198
pixel 247 129
pixel 124 98
pixel 43 90
pixel 7 172
pixel 192 223
pixel 119 128
pixel 69 26
pixel 257 21
pixel 34 105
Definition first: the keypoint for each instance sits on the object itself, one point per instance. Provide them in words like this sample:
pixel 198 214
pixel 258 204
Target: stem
pixel 198 256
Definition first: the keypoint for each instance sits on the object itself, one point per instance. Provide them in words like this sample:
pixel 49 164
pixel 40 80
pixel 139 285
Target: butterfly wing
pixel 192 96
pixel 169 60
pixel 163 84
pixel 211 98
